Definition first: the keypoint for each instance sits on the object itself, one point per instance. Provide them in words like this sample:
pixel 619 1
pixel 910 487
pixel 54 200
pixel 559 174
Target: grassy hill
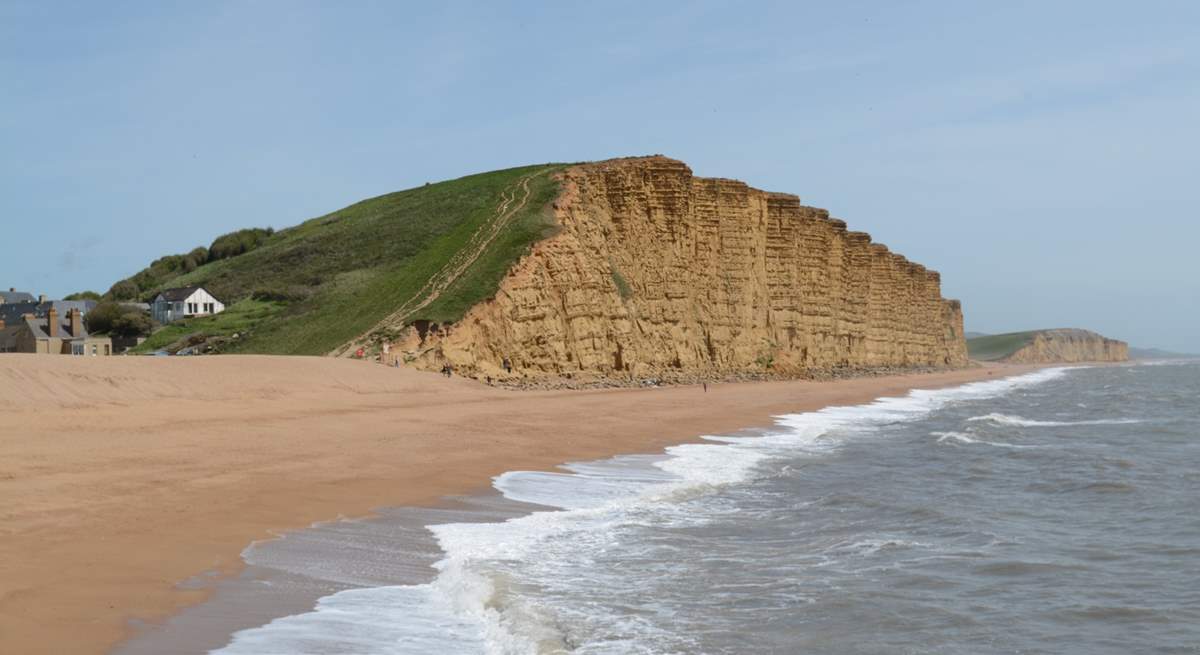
pixel 313 287
pixel 994 347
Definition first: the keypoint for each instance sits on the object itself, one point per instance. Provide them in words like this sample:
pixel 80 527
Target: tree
pixel 83 295
pixel 116 319
pixel 131 324
pixel 101 318
pixel 124 290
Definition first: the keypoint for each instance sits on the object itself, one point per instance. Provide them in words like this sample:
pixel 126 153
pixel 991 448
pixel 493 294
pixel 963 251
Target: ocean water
pixel 1055 512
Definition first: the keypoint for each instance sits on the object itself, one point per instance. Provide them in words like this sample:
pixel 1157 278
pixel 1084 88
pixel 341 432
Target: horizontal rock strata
pixel 1068 346
pixel 657 273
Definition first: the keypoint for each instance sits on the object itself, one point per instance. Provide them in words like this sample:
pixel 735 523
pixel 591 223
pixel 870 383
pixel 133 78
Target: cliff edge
pixel 657 273
pixel 1048 346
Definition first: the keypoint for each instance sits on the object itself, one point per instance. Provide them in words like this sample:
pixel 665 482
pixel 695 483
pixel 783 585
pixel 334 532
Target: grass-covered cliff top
pixel 994 347
pixel 310 288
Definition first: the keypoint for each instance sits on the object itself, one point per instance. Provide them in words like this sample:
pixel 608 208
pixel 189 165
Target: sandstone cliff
pixel 657 273
pixel 1049 346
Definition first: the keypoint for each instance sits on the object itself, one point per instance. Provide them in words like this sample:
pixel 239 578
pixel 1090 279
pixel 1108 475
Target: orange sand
pixel 122 476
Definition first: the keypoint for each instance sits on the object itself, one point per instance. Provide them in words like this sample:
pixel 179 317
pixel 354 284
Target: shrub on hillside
pixel 238 243
pixel 195 259
pixel 143 284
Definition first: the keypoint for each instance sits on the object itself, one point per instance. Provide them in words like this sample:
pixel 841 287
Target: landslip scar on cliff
pixel 622 269
pixel 1066 345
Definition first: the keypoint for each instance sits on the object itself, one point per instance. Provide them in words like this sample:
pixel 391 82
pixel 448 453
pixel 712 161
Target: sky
pixel 1042 155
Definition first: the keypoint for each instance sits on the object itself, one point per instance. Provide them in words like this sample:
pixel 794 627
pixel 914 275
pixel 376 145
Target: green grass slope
pixel 313 287
pixel 994 347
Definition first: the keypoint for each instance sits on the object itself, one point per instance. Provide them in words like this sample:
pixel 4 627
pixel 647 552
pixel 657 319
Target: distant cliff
pixel 656 273
pixel 1048 346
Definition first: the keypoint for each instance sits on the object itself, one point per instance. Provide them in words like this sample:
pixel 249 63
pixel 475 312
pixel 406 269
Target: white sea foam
pixel 1017 421
pixel 475 604
pixel 383 620
pixel 868 547
pixel 1168 362
pixel 961 437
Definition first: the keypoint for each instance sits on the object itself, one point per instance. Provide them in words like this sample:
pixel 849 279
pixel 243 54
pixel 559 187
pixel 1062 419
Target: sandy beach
pixel 122 477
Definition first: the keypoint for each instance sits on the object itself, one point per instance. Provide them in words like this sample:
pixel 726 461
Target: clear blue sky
pixel 1042 155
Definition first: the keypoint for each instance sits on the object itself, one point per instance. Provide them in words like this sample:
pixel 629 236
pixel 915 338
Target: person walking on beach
pixel 506 365
pixel 447 370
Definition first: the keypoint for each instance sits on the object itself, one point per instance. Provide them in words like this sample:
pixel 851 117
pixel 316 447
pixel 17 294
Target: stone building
pixel 52 335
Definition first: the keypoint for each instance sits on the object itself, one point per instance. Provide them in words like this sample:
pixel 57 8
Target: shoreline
pixel 131 475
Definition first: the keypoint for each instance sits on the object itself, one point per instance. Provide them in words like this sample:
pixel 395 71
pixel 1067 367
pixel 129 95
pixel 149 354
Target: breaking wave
pixel 480 600
pixel 1017 421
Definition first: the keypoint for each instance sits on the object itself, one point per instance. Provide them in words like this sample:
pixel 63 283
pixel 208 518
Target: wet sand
pixel 123 477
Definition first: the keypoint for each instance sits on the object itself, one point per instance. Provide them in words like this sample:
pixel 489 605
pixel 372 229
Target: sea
pixel 1052 512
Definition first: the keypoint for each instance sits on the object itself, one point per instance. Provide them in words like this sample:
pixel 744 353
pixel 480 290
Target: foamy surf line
pixel 476 602
pixel 1017 421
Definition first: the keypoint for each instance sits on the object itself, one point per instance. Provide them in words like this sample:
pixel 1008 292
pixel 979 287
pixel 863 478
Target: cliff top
pixel 996 347
pixel 423 256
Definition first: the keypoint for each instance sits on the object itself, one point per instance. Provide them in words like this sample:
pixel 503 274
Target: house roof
pixel 39 327
pixel 12 312
pixel 65 306
pixel 16 296
pixel 180 293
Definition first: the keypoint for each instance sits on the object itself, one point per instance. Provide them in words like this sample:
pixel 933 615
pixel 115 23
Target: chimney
pixel 52 322
pixel 76 322
pixel 41 297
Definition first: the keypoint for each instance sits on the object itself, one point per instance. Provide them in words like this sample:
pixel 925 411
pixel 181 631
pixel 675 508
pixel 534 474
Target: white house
pixel 174 304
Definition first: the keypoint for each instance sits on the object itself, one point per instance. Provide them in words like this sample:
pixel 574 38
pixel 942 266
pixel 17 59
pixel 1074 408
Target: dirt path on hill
pixel 456 267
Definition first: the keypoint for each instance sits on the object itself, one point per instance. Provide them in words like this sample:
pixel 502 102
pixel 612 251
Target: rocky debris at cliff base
pixel 551 383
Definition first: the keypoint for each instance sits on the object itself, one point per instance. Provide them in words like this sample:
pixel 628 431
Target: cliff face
pixel 658 273
pixel 1070 345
